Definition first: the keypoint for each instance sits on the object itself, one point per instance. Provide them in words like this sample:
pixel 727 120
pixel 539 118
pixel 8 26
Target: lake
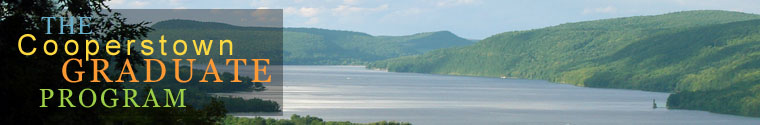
pixel 356 94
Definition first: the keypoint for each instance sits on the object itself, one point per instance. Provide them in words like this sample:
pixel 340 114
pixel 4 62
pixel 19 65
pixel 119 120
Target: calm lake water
pixel 353 93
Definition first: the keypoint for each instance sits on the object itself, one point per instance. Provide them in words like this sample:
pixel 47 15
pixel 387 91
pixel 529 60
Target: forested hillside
pixel 307 45
pixel 709 59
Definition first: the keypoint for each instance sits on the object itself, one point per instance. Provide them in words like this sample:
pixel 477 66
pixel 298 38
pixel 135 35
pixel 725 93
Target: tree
pixel 23 76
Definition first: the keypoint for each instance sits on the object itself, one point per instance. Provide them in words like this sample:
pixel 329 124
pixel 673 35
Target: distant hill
pixel 709 59
pixel 322 46
pixel 311 45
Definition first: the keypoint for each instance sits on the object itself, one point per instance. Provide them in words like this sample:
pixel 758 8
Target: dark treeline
pixel 197 93
pixel 298 120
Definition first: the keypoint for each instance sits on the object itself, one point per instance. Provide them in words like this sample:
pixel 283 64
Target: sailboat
pixel 654 104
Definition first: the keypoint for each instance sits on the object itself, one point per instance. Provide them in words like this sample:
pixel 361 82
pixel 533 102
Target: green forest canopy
pixel 709 59
pixel 311 45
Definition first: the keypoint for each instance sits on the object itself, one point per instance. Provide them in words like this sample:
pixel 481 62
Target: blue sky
pixel 474 19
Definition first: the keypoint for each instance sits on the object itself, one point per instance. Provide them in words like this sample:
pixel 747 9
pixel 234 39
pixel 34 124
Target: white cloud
pixel 289 10
pixel 608 9
pixel 303 11
pixel 312 20
pixel 308 12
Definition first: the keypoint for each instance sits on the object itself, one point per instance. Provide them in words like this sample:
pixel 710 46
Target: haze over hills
pixel 321 46
pixel 310 45
pixel 709 59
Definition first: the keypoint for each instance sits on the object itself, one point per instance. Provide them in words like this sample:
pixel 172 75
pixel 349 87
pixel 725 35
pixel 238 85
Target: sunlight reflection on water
pixel 353 93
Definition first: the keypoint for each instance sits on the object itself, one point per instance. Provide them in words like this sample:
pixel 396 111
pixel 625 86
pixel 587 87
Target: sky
pixel 472 19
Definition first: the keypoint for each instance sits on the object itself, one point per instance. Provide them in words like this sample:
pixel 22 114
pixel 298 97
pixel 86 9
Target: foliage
pixel 25 75
pixel 197 93
pixel 734 100
pixel 691 52
pixel 305 45
pixel 297 120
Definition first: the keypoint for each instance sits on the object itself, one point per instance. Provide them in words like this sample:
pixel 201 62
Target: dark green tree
pixel 23 76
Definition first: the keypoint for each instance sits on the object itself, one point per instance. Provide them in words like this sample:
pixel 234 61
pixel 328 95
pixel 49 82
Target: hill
pixel 708 59
pixel 310 45
pixel 321 46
